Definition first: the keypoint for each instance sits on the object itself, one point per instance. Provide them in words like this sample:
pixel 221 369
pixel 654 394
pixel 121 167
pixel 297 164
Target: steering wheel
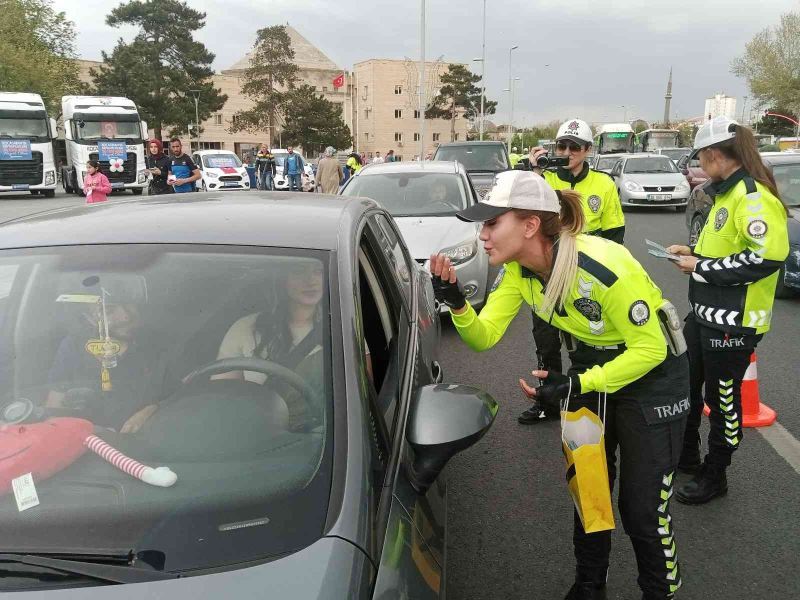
pixel 267 367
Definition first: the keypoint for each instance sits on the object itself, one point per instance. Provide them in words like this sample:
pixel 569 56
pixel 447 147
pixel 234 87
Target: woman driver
pixel 597 293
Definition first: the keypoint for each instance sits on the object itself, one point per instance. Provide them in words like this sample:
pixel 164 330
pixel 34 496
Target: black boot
pixel 586 590
pixel 709 483
pixel 690 456
pixel 533 415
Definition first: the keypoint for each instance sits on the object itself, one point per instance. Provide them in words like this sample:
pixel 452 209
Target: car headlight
pixel 142 177
pixel 632 186
pixel 683 186
pixel 461 252
pixel 211 175
pixel 50 178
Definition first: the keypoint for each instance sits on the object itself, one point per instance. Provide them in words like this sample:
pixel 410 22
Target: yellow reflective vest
pixel 601 207
pixel 741 247
pixel 613 302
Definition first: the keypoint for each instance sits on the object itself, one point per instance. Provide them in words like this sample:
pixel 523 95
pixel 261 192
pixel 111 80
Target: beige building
pixel 379 102
pixel 386 106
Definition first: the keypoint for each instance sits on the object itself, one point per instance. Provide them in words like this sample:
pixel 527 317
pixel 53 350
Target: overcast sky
pixel 583 58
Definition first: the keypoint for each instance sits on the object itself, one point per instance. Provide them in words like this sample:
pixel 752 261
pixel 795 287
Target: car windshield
pixel 412 194
pixel 109 130
pixel 788 179
pixel 280 158
pixel 651 164
pixel 221 161
pixel 210 361
pixel 475 158
pixel 676 153
pixel 606 163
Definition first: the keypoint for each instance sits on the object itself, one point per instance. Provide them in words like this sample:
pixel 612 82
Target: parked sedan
pixel 271 365
pixel 424 199
pixel 650 180
pixel 785 168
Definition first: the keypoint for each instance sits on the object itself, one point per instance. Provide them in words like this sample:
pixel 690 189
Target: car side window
pixel 617 168
pixel 392 249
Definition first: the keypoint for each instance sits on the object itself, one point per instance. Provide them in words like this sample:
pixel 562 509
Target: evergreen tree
pixel 267 82
pixel 37 51
pixel 314 122
pixel 459 92
pixel 160 67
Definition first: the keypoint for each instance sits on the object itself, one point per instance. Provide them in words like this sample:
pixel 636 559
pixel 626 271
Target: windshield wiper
pixel 78 565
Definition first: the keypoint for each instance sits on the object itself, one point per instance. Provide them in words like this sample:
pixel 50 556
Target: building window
pixel 324 88
pixel 366 136
pixel 435 137
pixel 416 137
pixel 455 139
pixel 366 113
pixel 366 89
pixel 217 119
pixel 398 89
pixel 416 114
pixel 235 119
pixel 398 157
pixel 398 137
pixel 398 114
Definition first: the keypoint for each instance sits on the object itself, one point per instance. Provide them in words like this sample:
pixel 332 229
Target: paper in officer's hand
pixel 660 251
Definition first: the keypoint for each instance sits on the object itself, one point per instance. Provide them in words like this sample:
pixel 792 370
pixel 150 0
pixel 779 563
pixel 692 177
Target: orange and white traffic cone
pixel 754 413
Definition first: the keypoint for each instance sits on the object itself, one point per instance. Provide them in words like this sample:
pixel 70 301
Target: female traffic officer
pixel 596 293
pixel 734 269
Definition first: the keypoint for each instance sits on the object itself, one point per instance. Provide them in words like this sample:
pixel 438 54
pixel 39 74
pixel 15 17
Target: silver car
pixel 650 180
pixel 424 198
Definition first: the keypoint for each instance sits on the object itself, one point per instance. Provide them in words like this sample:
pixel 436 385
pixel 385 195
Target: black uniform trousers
pixel 718 361
pixel 548 345
pixel 645 420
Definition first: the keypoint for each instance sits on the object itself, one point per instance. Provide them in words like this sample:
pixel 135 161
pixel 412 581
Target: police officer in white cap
pixel 602 216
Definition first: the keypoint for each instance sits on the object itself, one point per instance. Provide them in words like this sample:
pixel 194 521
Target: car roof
pixel 428 166
pixel 781 158
pixel 279 219
pixel 473 143
pixel 204 152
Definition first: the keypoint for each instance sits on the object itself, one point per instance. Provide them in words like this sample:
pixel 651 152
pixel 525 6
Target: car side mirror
pixel 444 420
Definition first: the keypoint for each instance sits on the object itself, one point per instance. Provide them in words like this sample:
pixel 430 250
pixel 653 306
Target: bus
pixel 652 140
pixel 614 138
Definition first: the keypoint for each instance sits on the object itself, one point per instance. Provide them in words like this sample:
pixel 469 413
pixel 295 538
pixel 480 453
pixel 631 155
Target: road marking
pixel 784 443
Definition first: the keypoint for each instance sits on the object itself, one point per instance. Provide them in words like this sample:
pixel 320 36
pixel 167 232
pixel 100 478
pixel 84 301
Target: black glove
pixel 448 293
pixel 555 388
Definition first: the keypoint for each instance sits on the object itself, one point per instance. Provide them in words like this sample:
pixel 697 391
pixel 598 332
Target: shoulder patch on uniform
pixel 598 271
pixel 720 218
pixel 639 313
pixel 498 280
pixel 757 229
pixel 589 308
pixel 594 202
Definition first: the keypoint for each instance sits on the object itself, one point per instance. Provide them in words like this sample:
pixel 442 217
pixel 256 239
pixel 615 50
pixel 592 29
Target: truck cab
pixel 107 129
pixel 26 145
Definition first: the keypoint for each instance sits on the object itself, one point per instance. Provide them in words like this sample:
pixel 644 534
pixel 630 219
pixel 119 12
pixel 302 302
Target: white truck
pixel 26 145
pixel 107 129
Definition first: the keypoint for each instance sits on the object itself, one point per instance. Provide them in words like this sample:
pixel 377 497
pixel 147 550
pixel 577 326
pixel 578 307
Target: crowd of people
pixel 559 238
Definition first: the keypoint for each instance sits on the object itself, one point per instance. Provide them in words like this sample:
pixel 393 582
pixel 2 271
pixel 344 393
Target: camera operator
pixel 602 216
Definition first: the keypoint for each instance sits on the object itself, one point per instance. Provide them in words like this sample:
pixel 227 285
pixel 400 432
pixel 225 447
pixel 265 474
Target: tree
pixel 775 125
pixel 458 92
pixel 267 82
pixel 37 51
pixel 771 64
pixel 162 64
pixel 314 122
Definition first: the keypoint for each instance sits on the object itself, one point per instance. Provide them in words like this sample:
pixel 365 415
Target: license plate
pixel 20 186
pixel 117 185
pixel 659 196
pixel 230 184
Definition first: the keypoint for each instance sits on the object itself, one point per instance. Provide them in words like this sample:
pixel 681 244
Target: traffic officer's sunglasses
pixel 572 146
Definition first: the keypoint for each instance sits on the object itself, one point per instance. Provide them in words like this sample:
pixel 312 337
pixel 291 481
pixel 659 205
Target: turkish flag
pixel 338 81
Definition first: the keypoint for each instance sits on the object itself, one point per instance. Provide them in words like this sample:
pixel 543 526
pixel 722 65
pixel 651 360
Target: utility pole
pixel 510 83
pixel 744 104
pixel 483 72
pixel 196 94
pixel 422 82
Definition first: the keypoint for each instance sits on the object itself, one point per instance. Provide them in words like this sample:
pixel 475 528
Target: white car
pixel 221 170
pixel 307 181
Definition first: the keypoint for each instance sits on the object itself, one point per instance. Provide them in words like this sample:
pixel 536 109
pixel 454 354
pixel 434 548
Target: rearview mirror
pixel 444 420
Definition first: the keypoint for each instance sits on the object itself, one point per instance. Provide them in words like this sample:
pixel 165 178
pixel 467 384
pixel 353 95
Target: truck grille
pixel 22 171
pixel 128 174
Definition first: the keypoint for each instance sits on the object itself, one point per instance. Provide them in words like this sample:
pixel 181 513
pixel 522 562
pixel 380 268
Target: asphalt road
pixel 509 513
pixel 510 517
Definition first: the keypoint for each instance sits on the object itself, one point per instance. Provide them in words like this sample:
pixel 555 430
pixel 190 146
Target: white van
pixel 26 145
pixel 221 170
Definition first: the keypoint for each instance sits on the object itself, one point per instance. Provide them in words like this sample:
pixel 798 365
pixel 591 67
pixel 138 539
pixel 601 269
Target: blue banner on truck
pixel 15 150
pixel 108 151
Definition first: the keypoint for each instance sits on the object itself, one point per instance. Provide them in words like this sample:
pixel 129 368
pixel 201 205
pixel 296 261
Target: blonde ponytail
pixel 565 268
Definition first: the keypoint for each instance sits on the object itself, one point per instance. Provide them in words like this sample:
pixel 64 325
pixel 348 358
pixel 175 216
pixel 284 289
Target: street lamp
pixel 511 115
pixel 483 71
pixel 196 94
pixel 625 111
pixel 422 82
pixel 510 87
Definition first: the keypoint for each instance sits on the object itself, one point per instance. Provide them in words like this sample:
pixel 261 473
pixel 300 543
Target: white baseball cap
pixel 575 130
pixel 717 130
pixel 513 189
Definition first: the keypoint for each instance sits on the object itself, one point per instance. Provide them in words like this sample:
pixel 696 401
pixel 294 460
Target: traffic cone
pixel 754 413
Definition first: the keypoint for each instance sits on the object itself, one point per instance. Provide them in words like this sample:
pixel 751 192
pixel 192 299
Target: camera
pixel 543 162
